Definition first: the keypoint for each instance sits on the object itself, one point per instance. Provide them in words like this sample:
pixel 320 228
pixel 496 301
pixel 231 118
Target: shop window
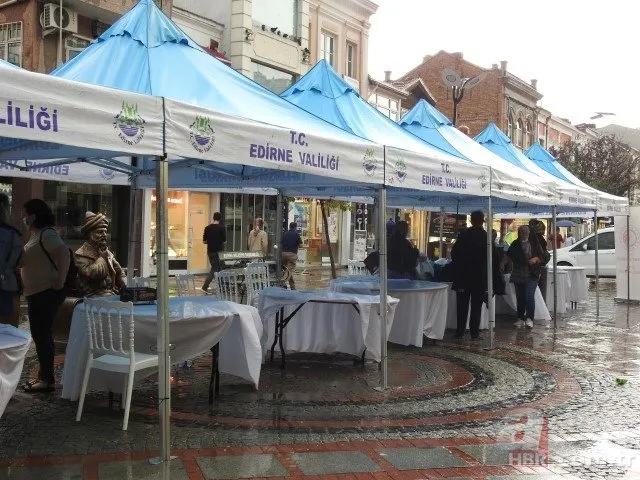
pixel 328 48
pixel 281 15
pixel 351 61
pixel 74 45
pixel 11 43
pixel 71 201
pixel 275 80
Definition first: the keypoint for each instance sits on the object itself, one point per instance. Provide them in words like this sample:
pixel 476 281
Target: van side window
pixel 606 241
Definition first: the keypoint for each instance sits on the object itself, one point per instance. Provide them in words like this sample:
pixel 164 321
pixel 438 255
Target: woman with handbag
pixel 525 255
pixel 45 265
pixel 10 254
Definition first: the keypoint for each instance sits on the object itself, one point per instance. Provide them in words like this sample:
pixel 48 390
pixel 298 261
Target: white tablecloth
pixel 563 290
pixel 327 327
pixel 14 344
pixel 196 325
pixel 579 290
pixel 505 304
pixel 422 310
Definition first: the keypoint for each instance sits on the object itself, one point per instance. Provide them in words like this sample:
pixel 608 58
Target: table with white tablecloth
pixel 563 289
pixel 325 321
pixel 422 311
pixel 505 304
pixel 579 289
pixel 196 324
pixel 14 344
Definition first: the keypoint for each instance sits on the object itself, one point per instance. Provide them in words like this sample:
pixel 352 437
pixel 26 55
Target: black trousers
pixel 463 297
pixel 214 260
pixel 43 308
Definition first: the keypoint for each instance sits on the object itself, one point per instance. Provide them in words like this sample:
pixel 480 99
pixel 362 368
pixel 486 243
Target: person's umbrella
pixel 566 223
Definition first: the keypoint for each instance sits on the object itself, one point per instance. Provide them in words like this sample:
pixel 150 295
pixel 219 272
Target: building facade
pixel 554 131
pixel 501 97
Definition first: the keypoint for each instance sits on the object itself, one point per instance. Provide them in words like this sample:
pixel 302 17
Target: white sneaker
pixel 529 323
pixel 519 323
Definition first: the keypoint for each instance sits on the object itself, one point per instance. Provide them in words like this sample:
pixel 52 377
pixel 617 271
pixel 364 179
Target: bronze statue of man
pixel 99 273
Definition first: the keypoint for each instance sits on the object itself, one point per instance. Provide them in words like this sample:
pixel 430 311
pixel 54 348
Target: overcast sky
pixel 585 54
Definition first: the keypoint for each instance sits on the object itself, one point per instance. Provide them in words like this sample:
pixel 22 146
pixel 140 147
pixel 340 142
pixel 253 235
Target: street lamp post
pixel 458 86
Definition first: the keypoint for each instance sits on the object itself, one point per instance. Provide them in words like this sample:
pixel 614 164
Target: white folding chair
pixel 256 278
pixel 186 285
pixel 110 329
pixel 355 267
pixel 228 286
pixel 141 282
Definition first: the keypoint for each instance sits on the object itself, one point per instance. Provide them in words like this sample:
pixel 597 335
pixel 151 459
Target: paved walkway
pixel 544 404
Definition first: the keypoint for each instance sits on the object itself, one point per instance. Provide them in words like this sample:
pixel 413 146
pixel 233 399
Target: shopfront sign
pixel 452 225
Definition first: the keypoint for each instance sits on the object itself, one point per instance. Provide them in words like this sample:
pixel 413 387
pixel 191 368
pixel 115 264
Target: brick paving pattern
pixel 453 410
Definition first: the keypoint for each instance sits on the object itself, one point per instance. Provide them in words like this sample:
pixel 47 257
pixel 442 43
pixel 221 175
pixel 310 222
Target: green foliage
pixel 604 163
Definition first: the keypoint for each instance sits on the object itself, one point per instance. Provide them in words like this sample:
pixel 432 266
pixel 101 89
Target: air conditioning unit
pixel 355 84
pixel 50 18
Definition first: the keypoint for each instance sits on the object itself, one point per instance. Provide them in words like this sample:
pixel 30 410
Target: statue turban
pixel 93 221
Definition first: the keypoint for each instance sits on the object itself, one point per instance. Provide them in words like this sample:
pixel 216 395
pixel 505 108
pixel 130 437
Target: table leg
pixel 214 382
pixel 275 339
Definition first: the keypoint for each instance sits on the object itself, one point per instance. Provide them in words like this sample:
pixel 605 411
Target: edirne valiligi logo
pixel 369 162
pixel 401 170
pixel 129 124
pixel 202 134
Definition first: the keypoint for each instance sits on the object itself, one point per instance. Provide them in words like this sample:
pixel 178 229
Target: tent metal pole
pixel 133 232
pixel 163 346
pixel 382 269
pixel 555 269
pixel 441 229
pixel 628 260
pixel 490 298
pixel 595 231
pixel 278 232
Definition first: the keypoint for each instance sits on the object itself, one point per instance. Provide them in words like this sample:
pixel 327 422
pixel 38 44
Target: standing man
pixel 215 237
pixel 556 238
pixel 258 240
pixel 290 242
pixel 469 259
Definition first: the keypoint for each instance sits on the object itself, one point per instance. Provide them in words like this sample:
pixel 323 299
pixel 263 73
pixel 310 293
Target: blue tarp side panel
pixel 145 52
pixel 424 121
pixel 496 141
pixel 322 92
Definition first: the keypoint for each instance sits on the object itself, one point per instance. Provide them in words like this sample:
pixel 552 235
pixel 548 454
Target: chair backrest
pixel 141 282
pixel 355 267
pixel 186 285
pixel 110 327
pixel 228 286
pixel 256 278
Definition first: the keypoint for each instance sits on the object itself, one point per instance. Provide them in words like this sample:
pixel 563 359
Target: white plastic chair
pixel 141 282
pixel 110 329
pixel 256 278
pixel 186 285
pixel 355 267
pixel 228 286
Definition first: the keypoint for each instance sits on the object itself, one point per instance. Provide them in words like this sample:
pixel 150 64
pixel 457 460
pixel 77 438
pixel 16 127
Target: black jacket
pixel 402 257
pixel 469 260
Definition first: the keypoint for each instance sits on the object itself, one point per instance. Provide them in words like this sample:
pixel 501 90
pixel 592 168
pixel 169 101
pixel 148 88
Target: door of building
pixel 199 218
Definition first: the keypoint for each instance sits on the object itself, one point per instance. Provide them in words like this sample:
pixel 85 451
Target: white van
pixel 582 254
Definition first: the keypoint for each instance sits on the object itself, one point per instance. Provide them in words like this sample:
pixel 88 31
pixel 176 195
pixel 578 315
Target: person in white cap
pixel 99 273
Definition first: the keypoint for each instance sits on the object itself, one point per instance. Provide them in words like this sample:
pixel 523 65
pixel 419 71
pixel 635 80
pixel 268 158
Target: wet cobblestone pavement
pixel 544 404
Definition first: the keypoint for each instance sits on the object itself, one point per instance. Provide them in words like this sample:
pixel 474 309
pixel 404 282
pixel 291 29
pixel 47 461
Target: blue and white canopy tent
pixel 89 140
pixel 570 190
pixel 221 130
pixel 430 125
pixel 607 204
